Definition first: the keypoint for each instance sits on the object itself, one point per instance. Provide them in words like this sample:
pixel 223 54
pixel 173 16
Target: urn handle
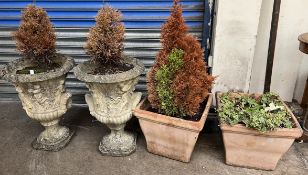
pixel 3 70
pixel 66 100
pixel 136 99
pixel 90 102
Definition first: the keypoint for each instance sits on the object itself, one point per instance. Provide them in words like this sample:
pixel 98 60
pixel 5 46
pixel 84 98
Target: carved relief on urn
pixel 111 101
pixel 44 101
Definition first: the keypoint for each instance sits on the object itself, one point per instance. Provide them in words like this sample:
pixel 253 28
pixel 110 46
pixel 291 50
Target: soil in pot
pixel 195 117
pixel 38 69
pixel 105 69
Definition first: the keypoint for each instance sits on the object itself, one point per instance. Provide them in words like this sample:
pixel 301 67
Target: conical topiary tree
pixel 35 37
pixel 105 41
pixel 178 82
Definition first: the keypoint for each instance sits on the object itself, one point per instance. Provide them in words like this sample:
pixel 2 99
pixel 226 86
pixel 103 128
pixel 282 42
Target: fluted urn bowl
pixel 44 99
pixel 111 101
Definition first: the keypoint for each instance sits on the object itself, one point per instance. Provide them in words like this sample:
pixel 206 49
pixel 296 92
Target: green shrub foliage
pixel 264 113
pixel 186 84
pixel 164 76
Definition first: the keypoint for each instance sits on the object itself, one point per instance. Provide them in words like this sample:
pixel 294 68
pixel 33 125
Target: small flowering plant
pixel 263 113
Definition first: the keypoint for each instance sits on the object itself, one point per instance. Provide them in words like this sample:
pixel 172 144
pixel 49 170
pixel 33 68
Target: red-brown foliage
pixel 191 84
pixel 35 37
pixel 173 30
pixel 105 41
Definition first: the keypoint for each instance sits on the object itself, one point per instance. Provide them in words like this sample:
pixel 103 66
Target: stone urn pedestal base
pixel 111 101
pixel 53 138
pixel 118 142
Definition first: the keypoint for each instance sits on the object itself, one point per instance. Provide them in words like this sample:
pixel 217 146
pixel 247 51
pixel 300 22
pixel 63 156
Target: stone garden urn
pixel 44 99
pixel 111 101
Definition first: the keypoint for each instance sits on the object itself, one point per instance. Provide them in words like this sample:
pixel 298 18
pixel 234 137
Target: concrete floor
pixel 81 156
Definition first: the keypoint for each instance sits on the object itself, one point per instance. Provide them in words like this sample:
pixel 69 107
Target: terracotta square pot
pixel 167 136
pixel 249 148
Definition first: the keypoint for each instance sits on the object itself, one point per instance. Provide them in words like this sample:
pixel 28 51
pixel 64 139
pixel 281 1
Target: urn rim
pixel 81 72
pixel 66 62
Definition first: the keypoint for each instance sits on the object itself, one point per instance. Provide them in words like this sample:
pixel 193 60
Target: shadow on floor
pixel 81 156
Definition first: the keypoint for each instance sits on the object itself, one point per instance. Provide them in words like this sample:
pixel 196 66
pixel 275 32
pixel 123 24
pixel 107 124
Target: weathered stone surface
pixel 56 140
pixel 111 101
pixel 44 99
pixel 2 70
pixel 118 143
pixel 296 109
pixel 66 62
pixel 81 72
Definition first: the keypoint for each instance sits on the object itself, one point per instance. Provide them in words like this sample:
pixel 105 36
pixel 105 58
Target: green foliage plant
pixel 264 113
pixel 190 86
pixel 164 76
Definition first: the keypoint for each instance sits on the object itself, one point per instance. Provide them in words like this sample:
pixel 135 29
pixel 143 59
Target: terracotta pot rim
pixel 81 70
pixel 195 126
pixel 67 63
pixel 295 132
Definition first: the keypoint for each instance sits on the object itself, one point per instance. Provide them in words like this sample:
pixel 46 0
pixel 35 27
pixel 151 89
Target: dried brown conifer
pixel 173 30
pixel 191 84
pixel 35 37
pixel 105 40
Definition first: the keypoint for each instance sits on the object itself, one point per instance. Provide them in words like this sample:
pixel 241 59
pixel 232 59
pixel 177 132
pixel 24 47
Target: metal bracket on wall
pixel 272 45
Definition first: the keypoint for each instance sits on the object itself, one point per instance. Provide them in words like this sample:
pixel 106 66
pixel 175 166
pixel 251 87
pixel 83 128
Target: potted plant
pixel 111 78
pixel 178 101
pixel 257 129
pixel 39 77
